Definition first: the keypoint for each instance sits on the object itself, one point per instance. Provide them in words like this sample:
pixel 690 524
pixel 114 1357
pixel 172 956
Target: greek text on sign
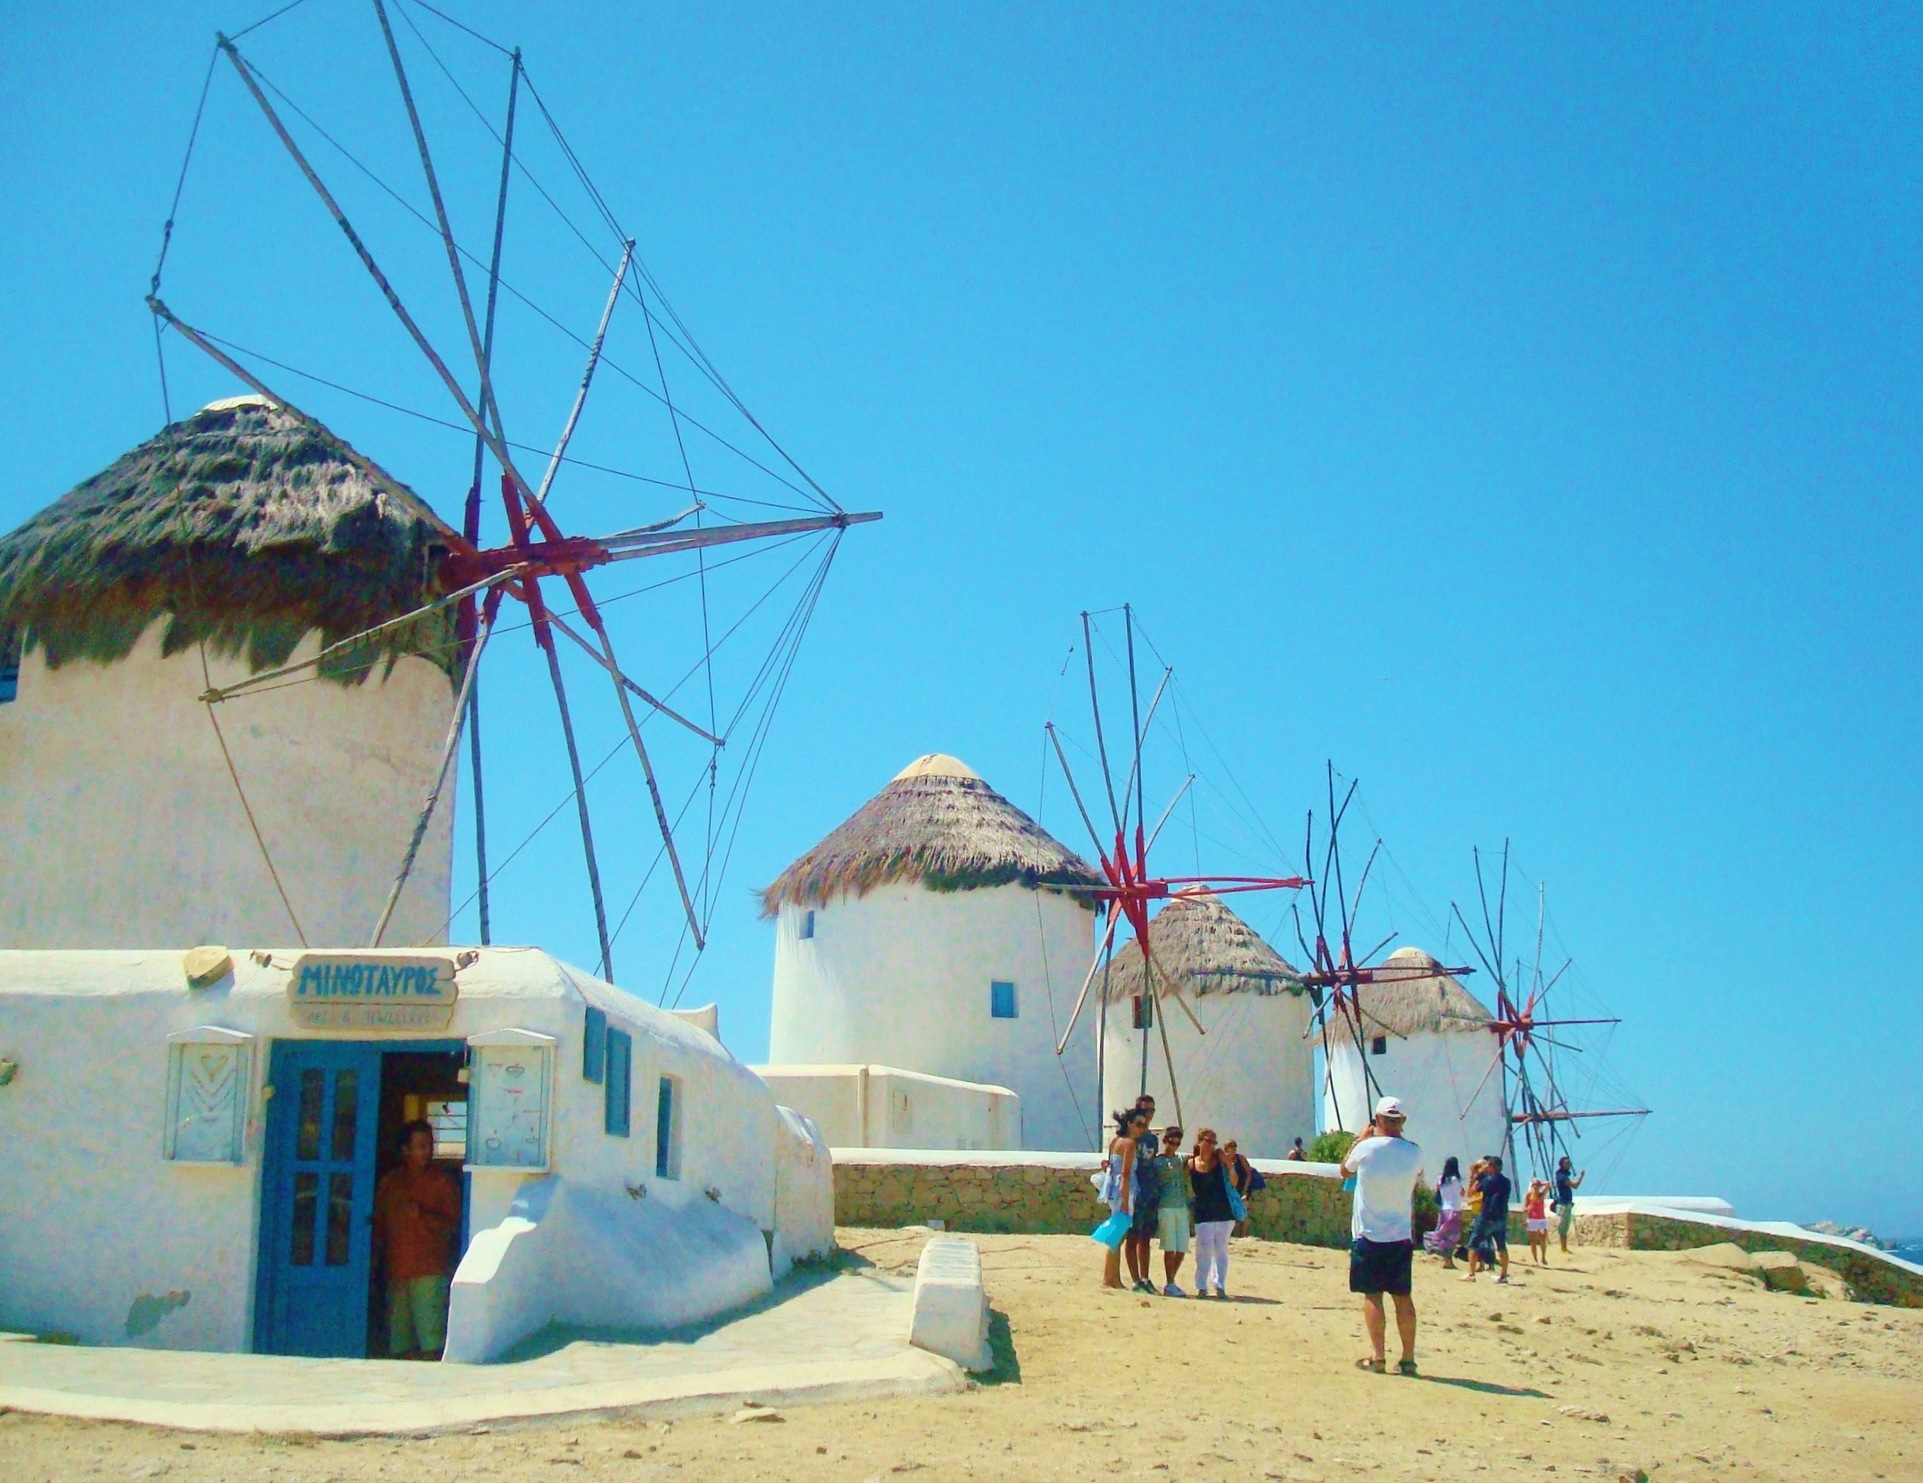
pixel 356 991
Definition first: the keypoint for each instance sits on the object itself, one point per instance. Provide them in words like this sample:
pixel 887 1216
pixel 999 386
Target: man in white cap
pixel 1382 1247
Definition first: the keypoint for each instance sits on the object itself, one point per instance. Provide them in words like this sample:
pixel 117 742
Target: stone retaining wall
pixel 1056 1198
pixel 1870 1279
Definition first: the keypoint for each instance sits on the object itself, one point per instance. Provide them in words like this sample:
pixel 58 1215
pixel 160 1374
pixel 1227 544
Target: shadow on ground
pixel 1486 1387
pixel 1001 1343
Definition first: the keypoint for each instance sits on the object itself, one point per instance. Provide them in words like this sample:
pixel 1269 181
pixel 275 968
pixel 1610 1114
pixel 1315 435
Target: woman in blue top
pixel 1118 1183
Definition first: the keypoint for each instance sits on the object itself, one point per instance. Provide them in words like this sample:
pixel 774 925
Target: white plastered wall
pixel 112 1222
pixel 124 828
pixel 1251 1077
pixel 1454 1100
pixel 900 977
pixel 886 1107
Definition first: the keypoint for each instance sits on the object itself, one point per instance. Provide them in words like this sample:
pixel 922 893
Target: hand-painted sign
pixel 363 991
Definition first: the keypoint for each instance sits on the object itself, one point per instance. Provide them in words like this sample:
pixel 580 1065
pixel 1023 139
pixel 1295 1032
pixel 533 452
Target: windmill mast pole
pixel 471 524
pixel 1149 996
pixel 1101 1040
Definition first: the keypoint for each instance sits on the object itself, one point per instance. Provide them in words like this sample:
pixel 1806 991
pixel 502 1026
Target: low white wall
pixel 600 1260
pixel 1643 1204
pixel 804 1194
pixel 901 977
pixel 887 1107
pixel 124 828
pixel 113 1230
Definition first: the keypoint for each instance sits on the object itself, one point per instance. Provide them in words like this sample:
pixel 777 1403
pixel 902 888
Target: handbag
pixel 1113 1231
pixel 1238 1207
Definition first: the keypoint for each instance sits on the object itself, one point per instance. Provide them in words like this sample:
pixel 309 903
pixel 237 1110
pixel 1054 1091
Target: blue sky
pixel 1519 410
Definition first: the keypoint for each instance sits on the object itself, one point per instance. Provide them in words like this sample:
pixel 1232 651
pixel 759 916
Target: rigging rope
pixel 737 801
pixel 274 16
pixel 421 218
pixel 1054 1034
pixel 467 430
pixel 684 340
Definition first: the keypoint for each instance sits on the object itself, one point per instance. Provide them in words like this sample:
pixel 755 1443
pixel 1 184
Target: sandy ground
pixel 1611 1364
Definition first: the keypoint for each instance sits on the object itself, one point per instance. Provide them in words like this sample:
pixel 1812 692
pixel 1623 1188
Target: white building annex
pixel 1251 1076
pixel 192 1161
pixel 939 931
pixel 195 1132
pixel 1429 1043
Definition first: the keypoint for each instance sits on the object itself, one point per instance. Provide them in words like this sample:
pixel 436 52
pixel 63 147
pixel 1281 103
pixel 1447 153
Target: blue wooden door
pixel 318 1199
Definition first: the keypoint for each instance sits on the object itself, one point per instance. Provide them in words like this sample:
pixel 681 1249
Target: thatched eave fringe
pixel 940 831
pixel 1203 947
pixel 244 527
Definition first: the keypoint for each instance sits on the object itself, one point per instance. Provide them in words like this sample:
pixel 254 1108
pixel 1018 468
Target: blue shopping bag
pixel 1112 1231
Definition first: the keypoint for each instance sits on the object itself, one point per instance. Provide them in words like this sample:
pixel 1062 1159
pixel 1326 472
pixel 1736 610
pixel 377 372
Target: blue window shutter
pixel 1001 1000
pixel 594 1043
pixel 664 1130
pixel 807 925
pixel 619 1091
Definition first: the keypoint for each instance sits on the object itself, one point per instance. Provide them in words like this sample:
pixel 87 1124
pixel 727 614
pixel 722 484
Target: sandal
pixel 1373 1366
pixel 1407 1367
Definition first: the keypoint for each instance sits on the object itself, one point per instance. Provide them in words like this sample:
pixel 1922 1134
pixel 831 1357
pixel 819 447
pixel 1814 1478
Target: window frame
pixel 617 1095
pixel 996 1000
pixel 669 1115
pixel 594 1044
pixel 230 1143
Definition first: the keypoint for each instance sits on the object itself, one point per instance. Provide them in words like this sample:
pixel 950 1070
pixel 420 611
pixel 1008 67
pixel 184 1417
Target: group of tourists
pixel 1157 1193
pixel 1474 1225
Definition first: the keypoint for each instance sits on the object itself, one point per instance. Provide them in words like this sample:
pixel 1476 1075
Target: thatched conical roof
pixel 249 527
pixel 938 824
pixel 1202 947
pixel 1438 1005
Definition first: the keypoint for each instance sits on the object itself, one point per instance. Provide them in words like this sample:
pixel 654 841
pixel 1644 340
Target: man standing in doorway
pixel 1386 1167
pixel 417 1210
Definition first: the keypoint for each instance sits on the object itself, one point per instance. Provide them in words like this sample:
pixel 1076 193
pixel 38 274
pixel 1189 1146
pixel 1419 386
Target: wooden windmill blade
pixel 538 547
pixel 1534 1101
pixel 1133 889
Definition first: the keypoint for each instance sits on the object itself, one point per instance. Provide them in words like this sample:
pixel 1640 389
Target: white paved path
pixel 840 1339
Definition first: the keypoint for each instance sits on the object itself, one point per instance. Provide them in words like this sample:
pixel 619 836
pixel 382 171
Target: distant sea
pixel 1910 1248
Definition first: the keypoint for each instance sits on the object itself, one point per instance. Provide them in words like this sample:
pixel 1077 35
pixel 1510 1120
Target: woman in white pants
pixel 1214 1218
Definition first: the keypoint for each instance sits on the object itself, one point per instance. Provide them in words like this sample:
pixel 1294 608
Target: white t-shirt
pixel 1449 1194
pixel 1385 1172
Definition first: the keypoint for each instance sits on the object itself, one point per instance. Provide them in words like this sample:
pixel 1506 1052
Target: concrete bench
pixel 951 1304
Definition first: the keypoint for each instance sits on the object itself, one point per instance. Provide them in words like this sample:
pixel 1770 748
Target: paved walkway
pixel 841 1338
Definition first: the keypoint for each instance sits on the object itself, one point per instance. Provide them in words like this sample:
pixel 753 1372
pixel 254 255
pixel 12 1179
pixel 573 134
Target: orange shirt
pixel 417 1241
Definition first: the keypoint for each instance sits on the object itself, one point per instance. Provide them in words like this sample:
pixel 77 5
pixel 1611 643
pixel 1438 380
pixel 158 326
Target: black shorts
pixel 1376 1267
pixel 1489 1235
pixel 1146 1219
